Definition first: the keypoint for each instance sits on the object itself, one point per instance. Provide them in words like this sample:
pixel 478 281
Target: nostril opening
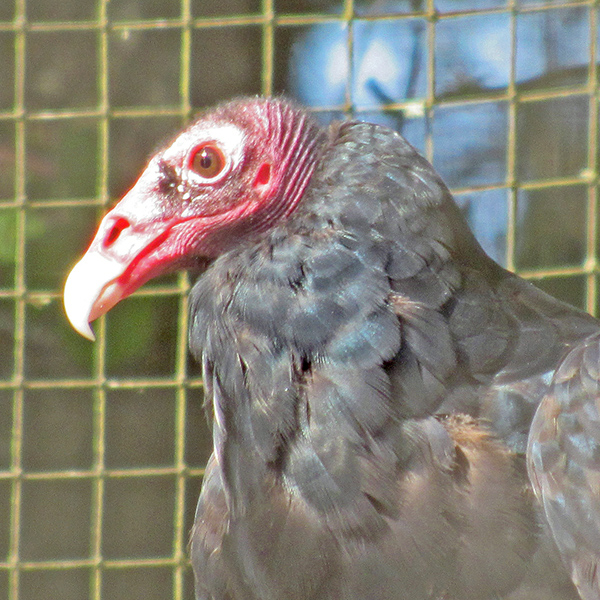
pixel 115 231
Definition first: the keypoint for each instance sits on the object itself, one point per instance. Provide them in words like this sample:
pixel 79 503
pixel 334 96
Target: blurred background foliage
pixel 102 446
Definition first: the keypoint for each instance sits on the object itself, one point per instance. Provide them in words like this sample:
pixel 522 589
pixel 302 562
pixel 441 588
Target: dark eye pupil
pixel 208 161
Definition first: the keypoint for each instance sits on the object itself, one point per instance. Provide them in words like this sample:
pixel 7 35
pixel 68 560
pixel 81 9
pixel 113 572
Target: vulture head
pixel 234 172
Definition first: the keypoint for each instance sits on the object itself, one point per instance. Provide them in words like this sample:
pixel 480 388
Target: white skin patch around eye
pixel 229 138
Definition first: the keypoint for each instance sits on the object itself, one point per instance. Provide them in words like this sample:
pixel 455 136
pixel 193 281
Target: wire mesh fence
pixel 102 446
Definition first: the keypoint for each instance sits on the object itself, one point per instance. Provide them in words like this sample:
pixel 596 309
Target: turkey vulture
pixel 395 416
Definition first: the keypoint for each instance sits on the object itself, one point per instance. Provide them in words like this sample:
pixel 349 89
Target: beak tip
pixel 82 328
pixel 86 331
pixel 76 311
pixel 84 288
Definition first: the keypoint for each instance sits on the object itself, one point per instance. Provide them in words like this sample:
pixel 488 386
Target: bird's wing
pixel 207 535
pixel 564 463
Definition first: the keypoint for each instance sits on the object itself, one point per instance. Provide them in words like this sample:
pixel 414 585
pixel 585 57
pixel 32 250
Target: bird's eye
pixel 208 161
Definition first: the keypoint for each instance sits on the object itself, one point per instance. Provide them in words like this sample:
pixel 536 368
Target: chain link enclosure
pixel 102 446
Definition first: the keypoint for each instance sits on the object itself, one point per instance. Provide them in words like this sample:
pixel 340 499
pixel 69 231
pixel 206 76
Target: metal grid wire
pixel 102 446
